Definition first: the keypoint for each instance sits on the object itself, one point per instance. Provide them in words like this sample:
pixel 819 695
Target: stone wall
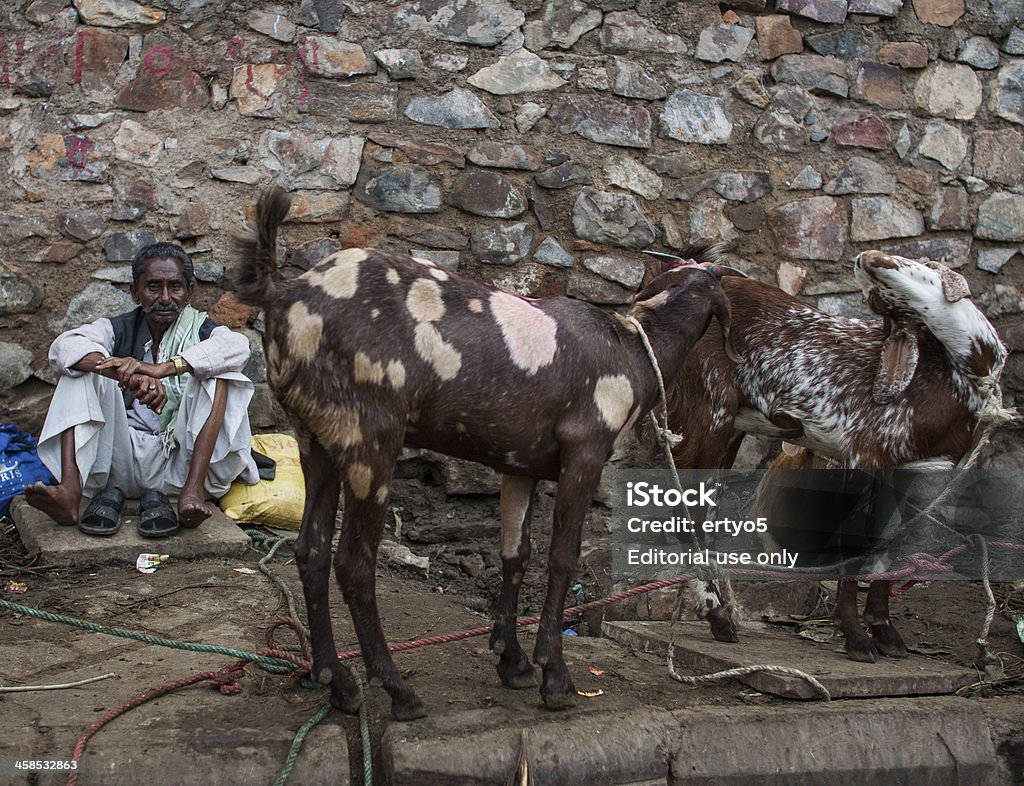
pixel 538 145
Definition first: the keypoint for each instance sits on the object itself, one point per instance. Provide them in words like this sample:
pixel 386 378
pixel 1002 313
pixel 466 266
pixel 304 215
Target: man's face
pixel 162 291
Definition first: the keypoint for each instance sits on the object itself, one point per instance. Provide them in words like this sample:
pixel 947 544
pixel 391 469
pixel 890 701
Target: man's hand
pixel 123 369
pixel 148 390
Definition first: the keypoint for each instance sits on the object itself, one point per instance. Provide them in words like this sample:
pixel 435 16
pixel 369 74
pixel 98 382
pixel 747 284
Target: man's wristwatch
pixel 180 366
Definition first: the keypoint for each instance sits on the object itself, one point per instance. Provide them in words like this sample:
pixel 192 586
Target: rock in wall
pixel 538 145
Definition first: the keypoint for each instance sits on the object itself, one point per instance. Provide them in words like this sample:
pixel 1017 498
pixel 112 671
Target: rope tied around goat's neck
pixel 669 439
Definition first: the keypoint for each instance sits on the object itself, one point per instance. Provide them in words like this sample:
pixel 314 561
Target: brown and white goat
pixel 368 351
pixel 910 388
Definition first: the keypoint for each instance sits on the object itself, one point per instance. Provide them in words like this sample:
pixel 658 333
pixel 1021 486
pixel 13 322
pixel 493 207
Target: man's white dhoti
pixel 110 452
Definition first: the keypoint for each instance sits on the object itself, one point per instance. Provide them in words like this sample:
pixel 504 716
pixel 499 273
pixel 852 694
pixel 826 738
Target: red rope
pixel 909 574
pixel 226 679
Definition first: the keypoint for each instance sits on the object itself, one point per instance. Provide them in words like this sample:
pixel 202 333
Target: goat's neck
pixel 668 340
pixel 969 340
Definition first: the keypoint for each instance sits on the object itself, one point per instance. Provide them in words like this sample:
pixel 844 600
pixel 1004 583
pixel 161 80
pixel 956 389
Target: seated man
pixel 150 404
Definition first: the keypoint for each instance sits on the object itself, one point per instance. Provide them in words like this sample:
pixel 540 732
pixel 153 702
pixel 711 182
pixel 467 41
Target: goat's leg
pixel 366 493
pixel 876 617
pixel 711 606
pixel 517 493
pixel 859 646
pixel 577 481
pixel 313 556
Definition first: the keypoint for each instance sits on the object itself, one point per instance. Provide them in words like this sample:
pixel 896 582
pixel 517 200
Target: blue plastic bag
pixel 19 465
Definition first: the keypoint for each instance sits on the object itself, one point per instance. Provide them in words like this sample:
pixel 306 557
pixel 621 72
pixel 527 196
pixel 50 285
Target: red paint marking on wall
pixel 250 84
pixel 80 53
pixel 78 147
pixel 300 65
pixel 234 47
pixel 5 69
pixel 159 60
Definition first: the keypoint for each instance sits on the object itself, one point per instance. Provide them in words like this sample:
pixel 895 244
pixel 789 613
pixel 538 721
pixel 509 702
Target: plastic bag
pixel 19 465
pixel 277 502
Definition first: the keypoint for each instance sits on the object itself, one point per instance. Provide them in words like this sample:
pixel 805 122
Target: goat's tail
pixel 258 275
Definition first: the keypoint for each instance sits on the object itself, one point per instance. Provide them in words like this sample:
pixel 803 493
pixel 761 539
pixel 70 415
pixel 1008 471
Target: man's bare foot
pixel 61 503
pixel 192 510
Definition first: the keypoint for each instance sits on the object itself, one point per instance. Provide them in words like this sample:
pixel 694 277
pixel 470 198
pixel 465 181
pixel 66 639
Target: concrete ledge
pixel 592 748
pixel 939 740
pixel 218 536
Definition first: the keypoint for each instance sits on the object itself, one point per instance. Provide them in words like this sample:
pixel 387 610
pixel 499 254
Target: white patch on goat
pixel 516 493
pixel 430 345
pixel 382 494
pixel 614 398
pixel 374 313
pixel 392 276
pixel 424 261
pixel 339 427
pixel 360 477
pixel 528 332
pixel 475 305
pixel 305 331
pixel 913 286
pixel 424 300
pixel 439 274
pixel 338 275
pixel 366 370
pixel 705 596
pixel 395 373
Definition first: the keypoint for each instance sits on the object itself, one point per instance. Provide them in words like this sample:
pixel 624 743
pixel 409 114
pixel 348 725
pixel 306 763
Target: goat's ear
pixel 954 286
pixel 897 364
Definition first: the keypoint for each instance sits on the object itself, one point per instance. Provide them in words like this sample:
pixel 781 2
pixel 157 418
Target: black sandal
pixel 103 515
pixel 157 518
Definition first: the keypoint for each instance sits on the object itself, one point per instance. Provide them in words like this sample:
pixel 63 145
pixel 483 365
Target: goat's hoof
pixel 722 626
pixel 348 703
pixel 408 709
pixel 526 679
pixel 517 673
pixel 888 641
pixel 557 690
pixel 861 652
pixel 559 701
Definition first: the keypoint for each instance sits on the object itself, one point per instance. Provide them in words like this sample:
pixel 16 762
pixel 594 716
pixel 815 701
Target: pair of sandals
pixel 157 518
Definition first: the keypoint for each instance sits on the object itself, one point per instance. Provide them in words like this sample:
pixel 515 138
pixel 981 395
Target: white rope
pixel 739 671
pixel 743 671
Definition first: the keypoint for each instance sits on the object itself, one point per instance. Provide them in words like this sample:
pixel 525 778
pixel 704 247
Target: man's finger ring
pixel 152 387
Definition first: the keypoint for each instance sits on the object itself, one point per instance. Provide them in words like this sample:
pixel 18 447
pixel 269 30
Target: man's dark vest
pixel 131 334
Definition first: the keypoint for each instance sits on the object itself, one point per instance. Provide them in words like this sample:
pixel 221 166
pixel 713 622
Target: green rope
pixel 300 735
pixel 275 665
pixel 277 542
pixel 364 720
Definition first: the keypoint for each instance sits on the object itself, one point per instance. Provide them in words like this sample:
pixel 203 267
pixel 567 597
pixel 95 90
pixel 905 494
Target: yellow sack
pixel 277 502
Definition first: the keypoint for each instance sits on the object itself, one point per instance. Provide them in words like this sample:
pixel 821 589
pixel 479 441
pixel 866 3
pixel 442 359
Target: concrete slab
pixel 697 653
pixel 218 536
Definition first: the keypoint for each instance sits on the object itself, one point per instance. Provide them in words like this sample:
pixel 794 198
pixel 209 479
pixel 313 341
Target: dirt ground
pixel 227 602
